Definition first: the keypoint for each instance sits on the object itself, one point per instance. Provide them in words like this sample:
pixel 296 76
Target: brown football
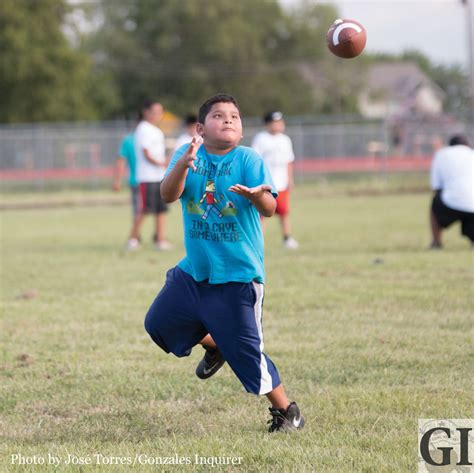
pixel 346 38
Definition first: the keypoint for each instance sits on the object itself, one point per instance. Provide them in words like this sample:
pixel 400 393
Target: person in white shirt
pixel 150 154
pixel 276 150
pixel 190 125
pixel 452 180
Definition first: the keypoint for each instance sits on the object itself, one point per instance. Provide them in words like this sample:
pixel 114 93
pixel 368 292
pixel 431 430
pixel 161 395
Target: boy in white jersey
pixel 151 166
pixel 276 150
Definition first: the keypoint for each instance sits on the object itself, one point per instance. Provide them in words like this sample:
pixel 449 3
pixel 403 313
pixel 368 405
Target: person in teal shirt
pixel 214 296
pixel 127 160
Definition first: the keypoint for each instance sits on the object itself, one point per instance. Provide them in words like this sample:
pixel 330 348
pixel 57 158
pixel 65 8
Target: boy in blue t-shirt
pixel 214 296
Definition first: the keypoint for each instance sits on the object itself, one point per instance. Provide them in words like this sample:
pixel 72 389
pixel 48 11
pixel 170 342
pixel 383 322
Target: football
pixel 346 38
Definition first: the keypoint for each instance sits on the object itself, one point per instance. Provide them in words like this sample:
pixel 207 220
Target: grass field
pixel 370 331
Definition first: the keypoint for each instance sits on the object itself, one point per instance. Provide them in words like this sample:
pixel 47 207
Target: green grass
pixel 368 329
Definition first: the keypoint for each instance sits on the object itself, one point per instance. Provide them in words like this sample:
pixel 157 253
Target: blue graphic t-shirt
pixel 222 232
pixel 127 151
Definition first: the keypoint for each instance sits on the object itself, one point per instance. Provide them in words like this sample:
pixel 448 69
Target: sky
pixel 437 28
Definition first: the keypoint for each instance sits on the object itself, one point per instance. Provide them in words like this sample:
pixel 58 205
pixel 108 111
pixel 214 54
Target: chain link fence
pixel 36 155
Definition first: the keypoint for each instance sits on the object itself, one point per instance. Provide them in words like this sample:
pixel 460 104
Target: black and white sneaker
pixel 289 419
pixel 210 364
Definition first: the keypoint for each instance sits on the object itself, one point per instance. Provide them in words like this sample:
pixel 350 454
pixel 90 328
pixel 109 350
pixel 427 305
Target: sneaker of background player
pixel 163 245
pixel 210 364
pixel 435 245
pixel 289 419
pixel 133 244
pixel 290 243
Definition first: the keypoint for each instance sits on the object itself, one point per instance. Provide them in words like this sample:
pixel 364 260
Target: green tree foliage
pixel 455 82
pixel 183 51
pixel 335 83
pixel 42 77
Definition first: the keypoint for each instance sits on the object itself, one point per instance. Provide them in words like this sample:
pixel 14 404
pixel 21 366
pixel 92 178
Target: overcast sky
pixel 438 28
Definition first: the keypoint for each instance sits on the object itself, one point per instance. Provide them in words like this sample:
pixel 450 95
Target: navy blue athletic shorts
pixel 185 311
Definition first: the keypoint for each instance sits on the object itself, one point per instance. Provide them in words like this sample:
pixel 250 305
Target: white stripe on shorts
pixel 266 384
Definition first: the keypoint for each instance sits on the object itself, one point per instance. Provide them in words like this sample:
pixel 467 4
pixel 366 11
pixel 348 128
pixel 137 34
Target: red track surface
pixel 305 166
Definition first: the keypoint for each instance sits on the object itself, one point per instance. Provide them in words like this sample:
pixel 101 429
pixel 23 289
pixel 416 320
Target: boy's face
pixel 276 126
pixel 222 127
pixel 154 113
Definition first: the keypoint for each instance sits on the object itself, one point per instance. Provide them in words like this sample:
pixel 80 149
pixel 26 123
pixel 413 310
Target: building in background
pixel 399 89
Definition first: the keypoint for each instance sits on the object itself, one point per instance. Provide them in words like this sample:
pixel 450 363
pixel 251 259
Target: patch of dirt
pixel 28 294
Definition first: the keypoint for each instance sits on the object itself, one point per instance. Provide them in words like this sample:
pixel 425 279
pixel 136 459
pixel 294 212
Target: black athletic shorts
pixel 446 216
pixel 150 198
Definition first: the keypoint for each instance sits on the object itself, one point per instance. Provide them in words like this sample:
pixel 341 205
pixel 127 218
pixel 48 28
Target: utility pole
pixel 470 43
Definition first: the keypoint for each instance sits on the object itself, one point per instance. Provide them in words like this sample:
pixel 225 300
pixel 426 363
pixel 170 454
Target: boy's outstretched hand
pixel 189 155
pixel 260 197
pixel 250 193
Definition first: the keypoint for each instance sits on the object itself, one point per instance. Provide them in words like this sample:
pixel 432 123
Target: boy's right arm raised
pixel 172 185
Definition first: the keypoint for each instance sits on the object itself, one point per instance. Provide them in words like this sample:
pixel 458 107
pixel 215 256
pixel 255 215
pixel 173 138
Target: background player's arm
pixel 172 185
pixel 436 180
pixel 260 196
pixel 151 159
pixel 291 181
pixel 119 172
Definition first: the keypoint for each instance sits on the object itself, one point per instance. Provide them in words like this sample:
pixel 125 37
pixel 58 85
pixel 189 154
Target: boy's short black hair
pixel 273 116
pixel 190 119
pixel 148 103
pixel 459 140
pixel 205 108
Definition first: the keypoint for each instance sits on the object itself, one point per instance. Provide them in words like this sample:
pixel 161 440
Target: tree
pixel 183 51
pixel 455 83
pixel 42 77
pixel 334 83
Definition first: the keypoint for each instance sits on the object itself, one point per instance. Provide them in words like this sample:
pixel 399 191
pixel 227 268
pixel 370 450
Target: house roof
pixel 399 79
